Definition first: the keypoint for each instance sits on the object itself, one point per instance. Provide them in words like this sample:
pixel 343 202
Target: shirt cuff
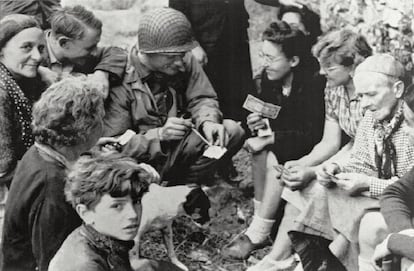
pixel 377 186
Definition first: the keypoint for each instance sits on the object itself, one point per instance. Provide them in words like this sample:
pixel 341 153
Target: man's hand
pixel 48 76
pixel 255 121
pixel 297 177
pixel 174 129
pixel 200 55
pixel 100 79
pixel 215 133
pixel 380 252
pixel 353 183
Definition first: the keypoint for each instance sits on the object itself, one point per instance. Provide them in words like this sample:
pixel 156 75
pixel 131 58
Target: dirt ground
pixel 232 209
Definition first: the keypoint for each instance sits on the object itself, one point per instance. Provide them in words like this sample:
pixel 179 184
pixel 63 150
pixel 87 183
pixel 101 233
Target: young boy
pixel 106 192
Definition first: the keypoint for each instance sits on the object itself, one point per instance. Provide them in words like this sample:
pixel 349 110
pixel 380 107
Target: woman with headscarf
pixel 22 48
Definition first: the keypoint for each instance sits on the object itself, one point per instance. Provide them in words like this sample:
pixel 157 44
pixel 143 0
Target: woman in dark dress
pixel 290 80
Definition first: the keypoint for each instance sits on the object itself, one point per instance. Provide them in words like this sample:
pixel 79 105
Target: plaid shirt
pixel 362 158
pixel 342 109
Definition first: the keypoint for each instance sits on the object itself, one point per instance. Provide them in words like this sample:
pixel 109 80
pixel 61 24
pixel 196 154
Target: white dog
pixel 160 205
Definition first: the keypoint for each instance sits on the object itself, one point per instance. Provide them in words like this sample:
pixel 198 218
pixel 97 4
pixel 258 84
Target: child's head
pixel 106 192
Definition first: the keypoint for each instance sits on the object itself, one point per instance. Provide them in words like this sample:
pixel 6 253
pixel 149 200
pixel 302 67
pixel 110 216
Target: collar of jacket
pixel 135 72
pixel 116 250
pixel 49 154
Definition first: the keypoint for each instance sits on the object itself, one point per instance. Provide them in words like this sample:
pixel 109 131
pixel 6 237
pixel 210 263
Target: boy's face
pixel 408 126
pixel 116 217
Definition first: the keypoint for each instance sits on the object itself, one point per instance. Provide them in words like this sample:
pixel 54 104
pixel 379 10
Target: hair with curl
pixel 310 19
pixel 343 47
pixel 291 39
pixel 95 174
pixel 13 24
pixel 72 22
pixel 67 112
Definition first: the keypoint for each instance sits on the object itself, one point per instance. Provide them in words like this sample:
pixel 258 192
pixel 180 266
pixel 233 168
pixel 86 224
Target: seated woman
pixel 67 121
pixel 22 48
pixel 287 82
pixel 339 53
pixel 106 192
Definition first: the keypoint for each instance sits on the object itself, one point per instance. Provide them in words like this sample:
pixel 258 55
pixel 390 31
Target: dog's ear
pixel 197 205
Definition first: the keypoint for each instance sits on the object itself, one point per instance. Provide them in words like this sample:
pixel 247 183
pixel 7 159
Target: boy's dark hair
pixel 95 174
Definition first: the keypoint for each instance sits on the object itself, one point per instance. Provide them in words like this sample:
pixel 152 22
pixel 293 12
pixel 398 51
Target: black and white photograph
pixel 207 135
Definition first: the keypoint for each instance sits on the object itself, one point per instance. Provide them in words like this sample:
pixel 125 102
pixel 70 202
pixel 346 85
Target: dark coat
pixel 220 26
pixel 37 218
pixel 397 206
pixel 87 250
pixel 299 125
pixel 11 144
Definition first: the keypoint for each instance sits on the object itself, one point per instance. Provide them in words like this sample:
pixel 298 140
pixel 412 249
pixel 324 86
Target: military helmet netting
pixel 165 30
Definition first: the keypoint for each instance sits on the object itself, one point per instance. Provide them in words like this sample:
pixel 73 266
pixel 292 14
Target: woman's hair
pixel 289 38
pixel 13 24
pixel 310 19
pixel 342 47
pixel 72 21
pixel 67 112
pixel 96 174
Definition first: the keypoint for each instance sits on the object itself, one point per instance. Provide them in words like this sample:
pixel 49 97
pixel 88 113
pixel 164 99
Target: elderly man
pixel 167 99
pixel 381 153
pixel 397 204
pixel 72 48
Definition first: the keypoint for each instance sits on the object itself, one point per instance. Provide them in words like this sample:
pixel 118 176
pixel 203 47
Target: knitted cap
pixel 13 24
pixel 409 97
pixel 382 63
pixel 165 30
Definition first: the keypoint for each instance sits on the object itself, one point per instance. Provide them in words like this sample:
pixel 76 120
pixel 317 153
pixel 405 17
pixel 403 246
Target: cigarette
pixel 202 137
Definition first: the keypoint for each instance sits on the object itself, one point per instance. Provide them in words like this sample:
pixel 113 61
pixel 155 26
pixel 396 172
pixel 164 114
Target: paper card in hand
pixel 214 152
pixel 279 168
pixel 267 131
pixel 267 110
